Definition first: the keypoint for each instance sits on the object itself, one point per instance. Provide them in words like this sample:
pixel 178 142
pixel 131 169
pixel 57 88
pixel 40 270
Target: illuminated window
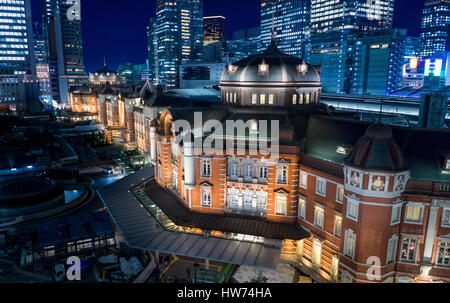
pixel 352 209
pixel 316 253
pixel 300 101
pixel 270 99
pixel 350 243
pixel 303 179
pixel 337 225
pixel 294 99
pixel 300 246
pixel 254 99
pixel 334 267
pixel 281 204
pixel 301 207
pixel 409 250
pixel 340 191
pixel 414 213
pixel 443 253
pixel 319 214
pixel 262 99
pixel 308 97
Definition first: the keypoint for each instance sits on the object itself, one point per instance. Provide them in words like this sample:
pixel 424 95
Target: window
pixel 270 99
pixel 334 267
pixel 300 245
pixel 443 254
pixel 159 172
pixel 301 208
pixel 340 193
pixel 281 204
pixel 206 196
pixel 248 172
pixel 392 249
pixel 263 172
pixel 319 213
pixel 446 217
pixel 294 99
pixel 262 99
pixel 307 99
pixel 414 213
pixel 228 97
pixel 303 179
pixel 321 187
pixel 234 171
pixel 350 243
pixel 352 209
pixel 337 225
pixel 282 174
pixel 316 253
pixel 300 101
pixel 206 168
pixel 254 99
pixel 409 250
pixel 234 97
pixel 396 214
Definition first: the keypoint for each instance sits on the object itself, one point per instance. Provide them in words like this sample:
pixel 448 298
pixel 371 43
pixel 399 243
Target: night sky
pixel 119 28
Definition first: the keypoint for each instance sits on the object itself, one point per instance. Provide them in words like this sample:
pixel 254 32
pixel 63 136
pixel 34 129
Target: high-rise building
pixel 62 24
pixel 244 43
pixel 435 27
pixel 214 30
pixel 332 22
pixel 179 37
pixel 152 51
pixel 289 19
pixel 18 83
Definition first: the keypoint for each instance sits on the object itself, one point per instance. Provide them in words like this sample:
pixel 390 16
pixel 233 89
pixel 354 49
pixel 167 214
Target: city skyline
pixel 132 48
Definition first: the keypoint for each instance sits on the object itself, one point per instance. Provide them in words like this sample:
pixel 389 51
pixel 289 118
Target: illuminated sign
pixel 413 63
pixel 433 67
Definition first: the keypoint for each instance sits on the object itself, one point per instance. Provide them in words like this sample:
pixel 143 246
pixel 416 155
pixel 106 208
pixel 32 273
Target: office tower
pixel 244 43
pixel 435 27
pixel 332 22
pixel 133 74
pixel 214 30
pixel 152 51
pixel 289 19
pixel 18 84
pixel 179 37
pixel 62 24
pixel 374 62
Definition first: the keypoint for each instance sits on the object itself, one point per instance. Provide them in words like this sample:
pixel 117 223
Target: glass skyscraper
pixel 179 37
pixel 332 22
pixel 435 27
pixel 18 82
pixel 290 20
pixel 244 43
pixel 152 51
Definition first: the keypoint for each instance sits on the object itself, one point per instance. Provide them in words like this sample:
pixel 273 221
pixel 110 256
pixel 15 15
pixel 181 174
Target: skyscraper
pixel 435 27
pixel 290 22
pixel 62 24
pixel 244 43
pixel 179 37
pixel 152 51
pixel 214 30
pixel 332 22
pixel 18 83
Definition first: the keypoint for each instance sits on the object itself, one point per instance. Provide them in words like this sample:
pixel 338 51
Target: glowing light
pixel 413 63
pixel 263 68
pixel 433 67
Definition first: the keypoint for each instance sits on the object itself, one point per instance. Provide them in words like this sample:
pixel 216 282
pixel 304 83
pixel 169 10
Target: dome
pixel 377 150
pixel 272 66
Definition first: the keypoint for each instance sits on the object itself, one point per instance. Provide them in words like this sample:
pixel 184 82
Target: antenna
pixel 104 60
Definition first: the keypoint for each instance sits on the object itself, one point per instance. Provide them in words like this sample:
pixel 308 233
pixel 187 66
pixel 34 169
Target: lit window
pixel 319 213
pixel 206 168
pixel 321 187
pixel 337 226
pixel 262 99
pixel 396 214
pixel 294 99
pixel 392 249
pixel 301 208
pixel 254 99
pixel 270 99
pixel 350 243
pixel 235 97
pixel 316 253
pixel 281 204
pixel 340 194
pixel 409 250
pixel 335 267
pixel 352 209
pixel 300 246
pixel 303 179
pixel 443 254
pixel 414 213
pixel 300 100
pixel 308 97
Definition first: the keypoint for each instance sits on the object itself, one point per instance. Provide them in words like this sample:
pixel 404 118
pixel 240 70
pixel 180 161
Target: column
pixel 430 235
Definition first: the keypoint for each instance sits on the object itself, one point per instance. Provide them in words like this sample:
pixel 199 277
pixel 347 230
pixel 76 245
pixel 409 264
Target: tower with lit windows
pixel 435 27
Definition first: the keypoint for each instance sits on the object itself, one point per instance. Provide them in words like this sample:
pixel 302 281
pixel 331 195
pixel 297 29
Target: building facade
pixel 244 43
pixel 201 75
pixel 356 189
pixel 435 27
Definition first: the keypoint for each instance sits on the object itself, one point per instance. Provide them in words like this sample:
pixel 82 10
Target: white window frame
pixel 445 245
pixel 392 250
pixel 277 202
pixel 304 174
pixel 319 181
pixel 396 209
pixel 206 162
pixel 281 169
pixel 316 254
pixel 254 99
pixel 319 215
pixel 340 188
pixel 301 207
pixel 337 223
pixel 334 267
pixel 413 204
pixel 350 244
pixel 416 249
pixel 444 223
pixel 206 191
pixel 351 202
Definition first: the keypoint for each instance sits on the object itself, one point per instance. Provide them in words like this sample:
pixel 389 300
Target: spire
pixel 104 60
pixel 273 23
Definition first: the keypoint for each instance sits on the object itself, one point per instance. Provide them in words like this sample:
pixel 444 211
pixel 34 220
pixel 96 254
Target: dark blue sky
pixel 118 27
